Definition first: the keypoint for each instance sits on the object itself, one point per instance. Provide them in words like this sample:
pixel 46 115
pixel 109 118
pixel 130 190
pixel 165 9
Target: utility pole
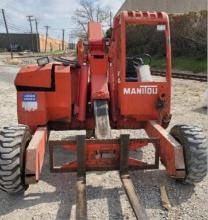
pixel 31 31
pixel 110 19
pixel 7 31
pixel 63 39
pixel 69 41
pixel 47 27
pixel 37 36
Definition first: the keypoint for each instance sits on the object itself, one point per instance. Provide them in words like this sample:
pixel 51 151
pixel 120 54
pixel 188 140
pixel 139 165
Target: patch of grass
pixel 2 50
pixel 51 52
pixel 158 63
pixel 192 64
pixel 57 52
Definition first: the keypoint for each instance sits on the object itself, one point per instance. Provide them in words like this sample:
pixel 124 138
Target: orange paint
pixel 62 96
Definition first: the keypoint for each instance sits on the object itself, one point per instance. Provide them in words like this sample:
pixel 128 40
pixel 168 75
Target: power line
pixel 15 27
pixel 12 28
pixel 21 28
pixel 10 14
pixel 13 9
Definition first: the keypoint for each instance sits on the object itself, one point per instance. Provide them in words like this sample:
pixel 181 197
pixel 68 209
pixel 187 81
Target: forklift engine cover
pixel 43 94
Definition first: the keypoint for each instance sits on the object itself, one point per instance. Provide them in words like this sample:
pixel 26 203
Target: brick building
pixel 24 42
pixel 52 44
pixel 169 6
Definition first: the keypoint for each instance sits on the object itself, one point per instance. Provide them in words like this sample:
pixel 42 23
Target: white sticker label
pixel 29 102
pixel 141 90
pixel 160 27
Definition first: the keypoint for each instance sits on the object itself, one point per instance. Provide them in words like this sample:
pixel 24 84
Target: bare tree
pixel 90 11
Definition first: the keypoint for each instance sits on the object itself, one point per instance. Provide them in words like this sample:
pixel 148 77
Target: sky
pixel 55 13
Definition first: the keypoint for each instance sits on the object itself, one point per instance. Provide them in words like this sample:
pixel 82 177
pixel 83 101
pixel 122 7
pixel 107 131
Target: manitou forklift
pixel 98 93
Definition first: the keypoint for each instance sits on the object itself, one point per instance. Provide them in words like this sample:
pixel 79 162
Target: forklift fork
pixel 133 196
pixel 81 201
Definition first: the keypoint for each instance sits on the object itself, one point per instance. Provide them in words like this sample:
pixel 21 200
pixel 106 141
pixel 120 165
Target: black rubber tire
pixel 13 142
pixel 195 151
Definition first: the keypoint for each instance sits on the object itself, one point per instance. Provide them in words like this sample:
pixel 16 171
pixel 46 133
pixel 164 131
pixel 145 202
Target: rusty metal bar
pixel 51 158
pixel 157 153
pixel 61 169
pixel 81 201
pixel 124 153
pixel 57 143
pixel 181 75
pixel 133 197
pixel 71 166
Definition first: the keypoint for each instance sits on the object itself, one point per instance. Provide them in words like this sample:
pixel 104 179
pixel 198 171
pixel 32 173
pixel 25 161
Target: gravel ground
pixel 54 196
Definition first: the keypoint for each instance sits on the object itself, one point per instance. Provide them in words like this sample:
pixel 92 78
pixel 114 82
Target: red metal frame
pixel 98 62
pixel 171 152
pixel 83 81
pixel 102 75
pixel 95 149
pixel 131 105
pixel 35 155
pixel 64 93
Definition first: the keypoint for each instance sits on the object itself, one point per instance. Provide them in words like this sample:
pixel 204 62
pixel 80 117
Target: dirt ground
pixel 54 196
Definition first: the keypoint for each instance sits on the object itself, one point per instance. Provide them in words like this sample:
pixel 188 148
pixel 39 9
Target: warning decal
pixel 29 102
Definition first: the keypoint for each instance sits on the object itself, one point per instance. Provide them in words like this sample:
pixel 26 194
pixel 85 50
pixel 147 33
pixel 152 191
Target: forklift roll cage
pixel 140 18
